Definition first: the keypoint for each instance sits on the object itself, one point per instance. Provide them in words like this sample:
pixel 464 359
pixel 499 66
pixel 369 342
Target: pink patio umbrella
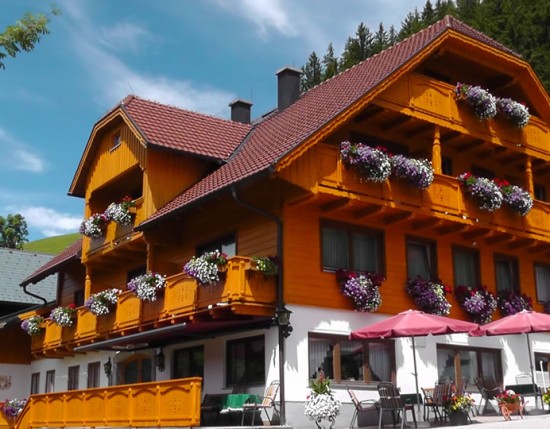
pixel 413 323
pixel 523 322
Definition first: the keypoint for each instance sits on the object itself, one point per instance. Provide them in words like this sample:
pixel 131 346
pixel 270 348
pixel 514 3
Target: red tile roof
pixel 182 130
pixel 283 132
pixel 71 253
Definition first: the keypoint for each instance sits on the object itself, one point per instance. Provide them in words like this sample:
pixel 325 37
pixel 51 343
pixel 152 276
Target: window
pixel 135 273
pixel 227 245
pixel 352 248
pixel 189 362
pixel 93 374
pixel 466 267
pixel 246 361
pixel 540 192
pixel 35 383
pixel 78 298
pixel 72 383
pixel 542 281
pixel 345 360
pixel 50 381
pixel 506 273
pixel 421 259
pixel 116 140
pixel 137 369
pixel 483 172
pixel 455 362
pixel 447 166
pixel 542 368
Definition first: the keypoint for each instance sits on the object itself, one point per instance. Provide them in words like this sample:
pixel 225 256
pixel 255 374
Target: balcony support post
pixel 529 176
pixel 436 150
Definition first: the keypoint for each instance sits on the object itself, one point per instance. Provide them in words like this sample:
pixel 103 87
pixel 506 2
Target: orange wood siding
pixel 306 283
pixel 111 162
pixel 167 174
pixel 16 344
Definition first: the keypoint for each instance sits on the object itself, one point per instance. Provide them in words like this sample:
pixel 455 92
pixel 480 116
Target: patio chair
pixel 361 407
pixel 429 404
pixel 442 392
pixel 489 390
pixel 268 402
pixel 391 400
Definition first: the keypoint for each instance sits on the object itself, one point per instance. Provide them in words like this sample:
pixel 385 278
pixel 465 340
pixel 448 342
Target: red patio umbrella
pixel 524 322
pixel 413 323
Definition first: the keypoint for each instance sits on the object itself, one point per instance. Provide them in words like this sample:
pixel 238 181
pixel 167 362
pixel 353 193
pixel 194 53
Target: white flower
pixel 146 286
pixel 100 303
pixel 322 406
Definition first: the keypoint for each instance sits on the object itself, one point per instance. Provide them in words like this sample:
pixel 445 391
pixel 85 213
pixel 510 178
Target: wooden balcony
pixel 114 235
pixel 157 404
pixel 444 199
pixel 243 293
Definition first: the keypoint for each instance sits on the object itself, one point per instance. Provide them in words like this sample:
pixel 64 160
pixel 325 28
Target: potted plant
pixel 94 226
pixel 372 164
pixel 480 100
pixel 64 316
pixel 13 407
pixel 207 267
pixel 32 325
pixel 268 265
pixel 362 289
pixel 321 406
pixel 546 397
pixel 416 172
pixel 516 198
pixel 120 212
pixel 478 302
pixel 515 112
pixel 510 302
pixel 509 399
pixel 429 296
pixel 458 408
pixel 100 303
pixel 485 191
pixel 147 286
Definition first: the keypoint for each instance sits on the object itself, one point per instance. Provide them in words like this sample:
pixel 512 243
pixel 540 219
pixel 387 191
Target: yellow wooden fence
pixel 160 404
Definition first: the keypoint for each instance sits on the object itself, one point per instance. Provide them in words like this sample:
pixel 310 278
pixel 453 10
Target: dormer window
pixel 115 141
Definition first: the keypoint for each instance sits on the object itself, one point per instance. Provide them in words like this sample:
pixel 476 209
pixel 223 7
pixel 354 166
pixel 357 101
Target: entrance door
pixel 136 369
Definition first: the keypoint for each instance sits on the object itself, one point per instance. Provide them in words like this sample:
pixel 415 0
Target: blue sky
pixel 199 55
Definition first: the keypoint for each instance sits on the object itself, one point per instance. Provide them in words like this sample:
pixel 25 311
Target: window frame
pixel 431 245
pixel 73 377
pixel 50 381
pixel 247 341
pixel 116 140
pixel 512 262
pixel 546 266
pixel 336 341
pixel 191 351
pixel 94 375
pixel 220 244
pixel 477 264
pixel 350 230
pixel 35 383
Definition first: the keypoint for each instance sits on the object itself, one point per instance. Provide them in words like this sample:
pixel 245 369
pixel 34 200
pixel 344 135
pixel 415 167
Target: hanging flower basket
pixel 94 226
pixel 64 316
pixel 362 289
pixel 207 267
pixel 13 407
pixel 485 191
pixel 147 286
pixel 120 212
pixel 511 303
pixel 518 199
pixel 100 303
pixel 416 172
pixel 32 325
pixel 268 266
pixel 482 102
pixel 478 302
pixel 372 164
pixel 516 113
pixel 429 296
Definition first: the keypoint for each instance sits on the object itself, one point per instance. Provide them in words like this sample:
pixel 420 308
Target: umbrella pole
pixel 535 390
pixel 416 377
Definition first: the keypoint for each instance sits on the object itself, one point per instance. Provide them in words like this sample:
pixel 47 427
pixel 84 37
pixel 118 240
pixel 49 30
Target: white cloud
pixel 123 36
pixel 18 156
pixel 49 221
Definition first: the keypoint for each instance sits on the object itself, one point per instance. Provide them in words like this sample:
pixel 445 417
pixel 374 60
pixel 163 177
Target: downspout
pixel 280 302
pixel 35 296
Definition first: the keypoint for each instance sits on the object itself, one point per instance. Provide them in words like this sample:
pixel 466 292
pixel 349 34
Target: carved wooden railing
pixel 444 197
pixel 156 404
pixel 247 291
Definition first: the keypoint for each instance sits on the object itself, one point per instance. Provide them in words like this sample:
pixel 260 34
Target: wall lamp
pixel 159 360
pixel 108 367
pixel 282 318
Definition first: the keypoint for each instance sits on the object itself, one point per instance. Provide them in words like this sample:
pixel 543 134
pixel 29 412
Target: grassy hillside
pixel 52 245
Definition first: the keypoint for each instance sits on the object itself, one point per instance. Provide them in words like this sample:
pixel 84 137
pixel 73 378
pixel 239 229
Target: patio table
pixel 233 405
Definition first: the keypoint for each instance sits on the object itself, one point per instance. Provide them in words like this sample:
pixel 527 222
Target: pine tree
pixel 380 40
pixel 311 72
pixel 357 48
pixel 411 25
pixel 428 14
pixel 330 64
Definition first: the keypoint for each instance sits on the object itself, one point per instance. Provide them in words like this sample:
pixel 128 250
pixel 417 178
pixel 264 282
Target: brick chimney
pixel 288 86
pixel 240 111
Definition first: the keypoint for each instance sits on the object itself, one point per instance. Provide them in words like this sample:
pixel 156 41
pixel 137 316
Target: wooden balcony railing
pixel 115 233
pixel 444 197
pixel 156 404
pixel 435 101
pixel 244 290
